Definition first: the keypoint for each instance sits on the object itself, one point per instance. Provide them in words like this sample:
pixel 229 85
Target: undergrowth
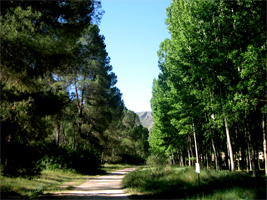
pixel 170 182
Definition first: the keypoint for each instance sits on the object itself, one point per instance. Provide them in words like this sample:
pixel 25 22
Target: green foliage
pixel 127 140
pixel 37 41
pixel 212 70
pixel 156 158
pixel 20 160
pixel 28 161
pixel 24 117
pixel 57 83
pixel 84 161
pixel 57 86
pixel 171 182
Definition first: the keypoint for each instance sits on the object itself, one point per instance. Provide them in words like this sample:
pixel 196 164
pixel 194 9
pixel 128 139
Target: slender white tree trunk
pixel 195 140
pixel 229 146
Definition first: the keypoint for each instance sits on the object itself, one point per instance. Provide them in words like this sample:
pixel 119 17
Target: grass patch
pixel 170 182
pixel 48 182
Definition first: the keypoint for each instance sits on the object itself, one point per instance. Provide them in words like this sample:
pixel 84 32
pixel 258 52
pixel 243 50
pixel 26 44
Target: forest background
pixel 60 107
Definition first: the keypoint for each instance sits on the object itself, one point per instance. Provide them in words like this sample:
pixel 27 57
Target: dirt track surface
pixel 102 187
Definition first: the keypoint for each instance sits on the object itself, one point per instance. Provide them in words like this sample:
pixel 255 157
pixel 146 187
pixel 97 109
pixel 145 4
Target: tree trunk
pixel 195 140
pixel 264 144
pixel 243 156
pixel 173 159
pixel 228 158
pixel 58 134
pixel 214 150
pixel 188 151
pixel 189 158
pixel 229 146
pixel 249 164
pixel 102 156
pixel 238 161
pixel 254 168
pixel 219 153
pixel 169 158
pixel 237 147
pixel 191 151
pixel 178 157
pixel 79 107
pixel 258 159
pixel 210 156
pixel 182 159
pixel 63 131
pixel 254 174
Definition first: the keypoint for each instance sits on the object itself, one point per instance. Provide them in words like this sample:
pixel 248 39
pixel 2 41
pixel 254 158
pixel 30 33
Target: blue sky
pixel 133 31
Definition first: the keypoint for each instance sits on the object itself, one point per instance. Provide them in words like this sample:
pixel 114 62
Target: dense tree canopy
pixel 57 84
pixel 37 41
pixel 212 85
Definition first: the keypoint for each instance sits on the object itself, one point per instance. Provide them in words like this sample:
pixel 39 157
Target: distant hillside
pixel 146 119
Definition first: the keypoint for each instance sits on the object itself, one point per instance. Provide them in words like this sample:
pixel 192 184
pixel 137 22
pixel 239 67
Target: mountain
pixel 146 119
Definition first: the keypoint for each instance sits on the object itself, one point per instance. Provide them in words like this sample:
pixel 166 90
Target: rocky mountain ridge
pixel 146 119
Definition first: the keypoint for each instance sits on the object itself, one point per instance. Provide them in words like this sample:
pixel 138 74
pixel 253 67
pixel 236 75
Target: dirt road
pixel 101 187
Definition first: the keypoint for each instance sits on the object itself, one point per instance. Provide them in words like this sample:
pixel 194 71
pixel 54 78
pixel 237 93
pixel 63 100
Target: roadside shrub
pixel 56 157
pixel 84 161
pixel 156 159
pixel 20 160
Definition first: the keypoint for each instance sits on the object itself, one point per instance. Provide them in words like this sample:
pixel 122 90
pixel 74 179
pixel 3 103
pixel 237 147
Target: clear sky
pixel 133 31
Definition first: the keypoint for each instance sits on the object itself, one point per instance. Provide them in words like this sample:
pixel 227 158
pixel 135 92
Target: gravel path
pixel 102 187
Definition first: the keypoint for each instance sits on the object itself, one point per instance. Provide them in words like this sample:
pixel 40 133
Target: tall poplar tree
pixel 211 63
